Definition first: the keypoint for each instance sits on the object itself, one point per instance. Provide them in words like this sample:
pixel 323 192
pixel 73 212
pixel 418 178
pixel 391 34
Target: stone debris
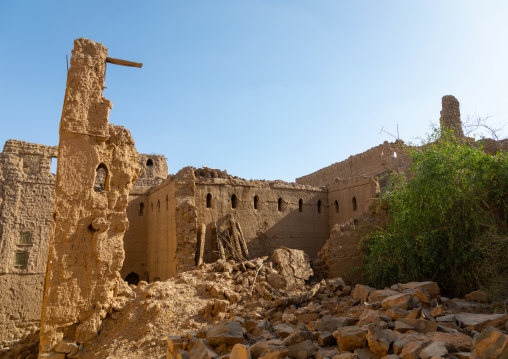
pixel 209 313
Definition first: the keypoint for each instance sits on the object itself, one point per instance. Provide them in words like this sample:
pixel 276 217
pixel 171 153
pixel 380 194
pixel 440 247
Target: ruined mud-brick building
pixel 168 222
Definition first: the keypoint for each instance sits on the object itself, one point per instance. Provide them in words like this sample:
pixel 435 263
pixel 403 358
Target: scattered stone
pixel 240 351
pixel 326 339
pixel 331 324
pixel 307 347
pixel 379 340
pixel 491 344
pixel 477 296
pixel 202 351
pixel 437 312
pixel 412 350
pixel 350 338
pixel 362 292
pixel 435 349
pixel 229 333
pixel 380 295
pixel 267 350
pixel 293 265
pixel 403 301
pixel 453 341
pixel 430 287
pixel 420 325
pixel 478 322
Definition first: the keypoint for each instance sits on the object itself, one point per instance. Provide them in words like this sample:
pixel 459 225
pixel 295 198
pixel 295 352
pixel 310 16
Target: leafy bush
pixel 449 221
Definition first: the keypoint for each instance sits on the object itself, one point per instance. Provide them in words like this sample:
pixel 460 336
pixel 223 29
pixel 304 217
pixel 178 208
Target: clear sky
pixel 264 89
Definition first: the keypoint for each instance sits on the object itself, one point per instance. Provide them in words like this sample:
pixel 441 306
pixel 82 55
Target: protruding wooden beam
pixel 112 60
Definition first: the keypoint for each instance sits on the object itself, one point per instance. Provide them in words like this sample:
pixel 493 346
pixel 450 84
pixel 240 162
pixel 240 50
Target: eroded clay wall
pixel 373 162
pixel 135 240
pixel 287 214
pixel 162 232
pixel 97 166
pixel 26 202
pixel 350 198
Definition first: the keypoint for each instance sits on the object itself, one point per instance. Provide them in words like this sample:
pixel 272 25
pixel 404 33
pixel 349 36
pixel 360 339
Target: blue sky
pixel 265 89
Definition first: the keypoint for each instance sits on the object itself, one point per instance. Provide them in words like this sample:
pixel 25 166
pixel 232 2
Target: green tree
pixel 449 221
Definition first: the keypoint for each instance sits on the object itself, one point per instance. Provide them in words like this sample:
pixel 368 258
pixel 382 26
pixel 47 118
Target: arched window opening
pixel 319 206
pixel 132 278
pixel 336 203
pixel 151 205
pixel 149 162
pixel 234 201
pixel 158 206
pixel 395 154
pixel 354 203
pixel 280 205
pixel 256 202
pixel 141 209
pixel 381 153
pixel 300 205
pixel 101 178
pixel 209 200
pixel 167 202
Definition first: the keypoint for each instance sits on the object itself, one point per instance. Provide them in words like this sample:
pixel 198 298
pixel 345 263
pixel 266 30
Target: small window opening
pixel 149 162
pixel 101 178
pixel 209 200
pixel 158 206
pixel 280 205
pixel 395 154
pixel 319 206
pixel 234 201
pixel 300 205
pixel 25 238
pixel 256 202
pixel 336 203
pixel 141 209
pixel 167 202
pixel 381 152
pixel 54 162
pixel 151 205
pixel 132 278
pixel 354 203
pixel 20 259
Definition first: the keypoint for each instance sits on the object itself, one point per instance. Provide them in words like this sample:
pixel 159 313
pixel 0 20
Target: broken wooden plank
pixel 112 60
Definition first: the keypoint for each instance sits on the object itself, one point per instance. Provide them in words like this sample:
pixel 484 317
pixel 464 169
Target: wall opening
pixel 25 238
pixel 151 205
pixel 256 202
pixel 234 201
pixel 132 278
pixel 300 205
pixel 20 259
pixel 395 154
pixel 319 206
pixel 101 178
pixel 209 200
pixel 354 203
pixel 158 206
pixel 141 209
pixel 336 203
pixel 54 163
pixel 149 162
pixel 167 202
pixel 280 205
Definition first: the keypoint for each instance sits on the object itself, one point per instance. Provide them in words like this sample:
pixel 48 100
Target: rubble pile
pixel 269 308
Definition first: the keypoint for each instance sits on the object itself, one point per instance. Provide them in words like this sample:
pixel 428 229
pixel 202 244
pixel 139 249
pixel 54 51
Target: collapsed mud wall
pixel 97 166
pixel 342 252
pixel 373 162
pixel 26 201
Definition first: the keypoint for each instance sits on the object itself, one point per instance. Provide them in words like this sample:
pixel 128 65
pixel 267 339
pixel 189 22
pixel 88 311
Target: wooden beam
pixel 112 60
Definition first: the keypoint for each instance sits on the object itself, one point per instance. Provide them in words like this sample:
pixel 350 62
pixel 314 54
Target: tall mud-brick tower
pixel 450 116
pixel 97 166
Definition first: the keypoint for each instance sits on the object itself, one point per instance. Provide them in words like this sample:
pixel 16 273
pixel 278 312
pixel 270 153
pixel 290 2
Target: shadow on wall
pixel 301 226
